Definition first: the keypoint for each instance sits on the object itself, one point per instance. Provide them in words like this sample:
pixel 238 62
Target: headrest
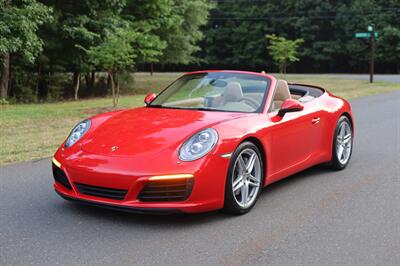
pixel 282 91
pixel 233 92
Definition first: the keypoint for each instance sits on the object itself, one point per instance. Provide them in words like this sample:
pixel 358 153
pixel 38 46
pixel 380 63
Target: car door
pixel 293 138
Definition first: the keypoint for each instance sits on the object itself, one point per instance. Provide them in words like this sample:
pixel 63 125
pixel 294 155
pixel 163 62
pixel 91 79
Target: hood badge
pixel 114 148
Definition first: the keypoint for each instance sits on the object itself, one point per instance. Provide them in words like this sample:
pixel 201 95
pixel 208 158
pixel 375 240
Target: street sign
pixel 372 46
pixel 365 35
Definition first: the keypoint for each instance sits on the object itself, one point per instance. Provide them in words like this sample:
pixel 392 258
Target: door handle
pixel 315 120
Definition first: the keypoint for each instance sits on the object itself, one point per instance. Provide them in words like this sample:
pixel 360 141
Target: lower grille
pixel 102 192
pixel 60 177
pixel 166 190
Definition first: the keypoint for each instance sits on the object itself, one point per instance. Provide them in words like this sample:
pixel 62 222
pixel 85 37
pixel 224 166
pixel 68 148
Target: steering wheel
pixel 250 101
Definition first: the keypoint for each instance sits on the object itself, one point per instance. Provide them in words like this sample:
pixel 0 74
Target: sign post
pixel 372 56
pixel 371 35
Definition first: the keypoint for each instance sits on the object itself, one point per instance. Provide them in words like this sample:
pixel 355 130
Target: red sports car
pixel 211 140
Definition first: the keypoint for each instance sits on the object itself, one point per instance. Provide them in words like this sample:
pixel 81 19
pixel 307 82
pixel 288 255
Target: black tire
pixel 335 163
pixel 230 204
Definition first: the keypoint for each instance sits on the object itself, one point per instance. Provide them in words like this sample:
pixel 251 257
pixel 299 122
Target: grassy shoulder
pixel 33 131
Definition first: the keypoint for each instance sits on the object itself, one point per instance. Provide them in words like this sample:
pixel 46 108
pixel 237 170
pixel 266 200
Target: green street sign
pixel 365 35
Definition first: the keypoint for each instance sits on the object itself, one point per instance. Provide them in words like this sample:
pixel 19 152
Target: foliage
pixel 114 54
pixel 388 49
pixel 183 32
pixel 90 36
pixel 234 36
pixel 283 51
pixel 42 41
pixel 4 102
pixel 19 23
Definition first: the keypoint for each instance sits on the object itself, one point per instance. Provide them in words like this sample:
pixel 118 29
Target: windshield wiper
pixel 166 107
pixel 186 108
pixel 156 105
pixel 206 109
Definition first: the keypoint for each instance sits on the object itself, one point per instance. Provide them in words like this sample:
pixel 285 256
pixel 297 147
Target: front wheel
pixel 342 144
pixel 244 180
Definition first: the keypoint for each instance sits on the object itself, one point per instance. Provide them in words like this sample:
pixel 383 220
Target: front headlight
pixel 77 132
pixel 198 145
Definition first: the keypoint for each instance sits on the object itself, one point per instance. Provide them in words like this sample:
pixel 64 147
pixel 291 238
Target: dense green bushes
pixel 51 50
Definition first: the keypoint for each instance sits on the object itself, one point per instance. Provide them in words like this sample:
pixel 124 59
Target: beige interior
pixel 232 93
pixel 187 103
pixel 282 93
pixel 295 96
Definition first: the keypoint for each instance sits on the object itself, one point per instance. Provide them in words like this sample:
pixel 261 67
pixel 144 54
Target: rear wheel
pixel 342 144
pixel 244 180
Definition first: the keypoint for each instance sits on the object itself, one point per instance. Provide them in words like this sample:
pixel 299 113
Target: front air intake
pixel 166 190
pixel 60 177
pixel 102 192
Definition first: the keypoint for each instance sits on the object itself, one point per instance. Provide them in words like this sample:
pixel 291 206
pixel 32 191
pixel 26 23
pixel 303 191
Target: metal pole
pixel 372 57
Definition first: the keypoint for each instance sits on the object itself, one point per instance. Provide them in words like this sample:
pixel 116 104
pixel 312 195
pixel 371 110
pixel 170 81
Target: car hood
pixel 148 131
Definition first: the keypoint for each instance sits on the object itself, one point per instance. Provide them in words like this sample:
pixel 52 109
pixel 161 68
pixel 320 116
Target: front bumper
pixel 206 194
pixel 161 211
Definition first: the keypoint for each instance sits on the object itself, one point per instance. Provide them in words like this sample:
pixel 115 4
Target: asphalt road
pixel 316 217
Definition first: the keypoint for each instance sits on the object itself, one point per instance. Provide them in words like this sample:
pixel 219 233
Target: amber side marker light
pixel 56 163
pixel 169 177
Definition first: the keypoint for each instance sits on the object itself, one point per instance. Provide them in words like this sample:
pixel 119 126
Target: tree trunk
pixel 113 91
pixel 92 80
pixel 5 76
pixel 117 92
pixel 87 82
pixel 77 84
pixel 151 69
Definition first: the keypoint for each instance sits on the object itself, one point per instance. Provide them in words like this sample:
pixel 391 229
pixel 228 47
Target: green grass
pixel 33 131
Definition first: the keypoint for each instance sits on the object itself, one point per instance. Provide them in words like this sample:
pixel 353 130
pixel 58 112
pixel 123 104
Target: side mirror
pixel 290 105
pixel 149 98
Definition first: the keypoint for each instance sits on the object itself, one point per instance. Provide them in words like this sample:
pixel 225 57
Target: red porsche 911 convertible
pixel 211 140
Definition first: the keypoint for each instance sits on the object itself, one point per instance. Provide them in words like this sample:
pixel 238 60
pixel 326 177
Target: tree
pixel 175 24
pixel 283 51
pixel 19 24
pixel 114 54
pixel 234 35
pixel 78 24
pixel 388 49
pixel 183 33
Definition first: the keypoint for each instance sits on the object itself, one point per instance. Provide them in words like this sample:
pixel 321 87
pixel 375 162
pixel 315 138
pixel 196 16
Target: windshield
pixel 216 91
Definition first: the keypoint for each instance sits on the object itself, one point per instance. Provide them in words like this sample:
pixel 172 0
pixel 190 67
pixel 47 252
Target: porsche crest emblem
pixel 114 148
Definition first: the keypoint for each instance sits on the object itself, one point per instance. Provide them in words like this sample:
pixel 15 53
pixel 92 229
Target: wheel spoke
pixel 245 193
pixel 340 152
pixel 347 138
pixel 342 131
pixel 344 153
pixel 237 184
pixel 241 164
pixel 250 163
pixel 344 142
pixel 253 181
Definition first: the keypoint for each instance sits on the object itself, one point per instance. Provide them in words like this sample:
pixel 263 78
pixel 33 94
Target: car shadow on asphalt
pixel 186 220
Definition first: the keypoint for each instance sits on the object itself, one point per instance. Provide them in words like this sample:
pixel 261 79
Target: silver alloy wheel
pixel 246 178
pixel 344 142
